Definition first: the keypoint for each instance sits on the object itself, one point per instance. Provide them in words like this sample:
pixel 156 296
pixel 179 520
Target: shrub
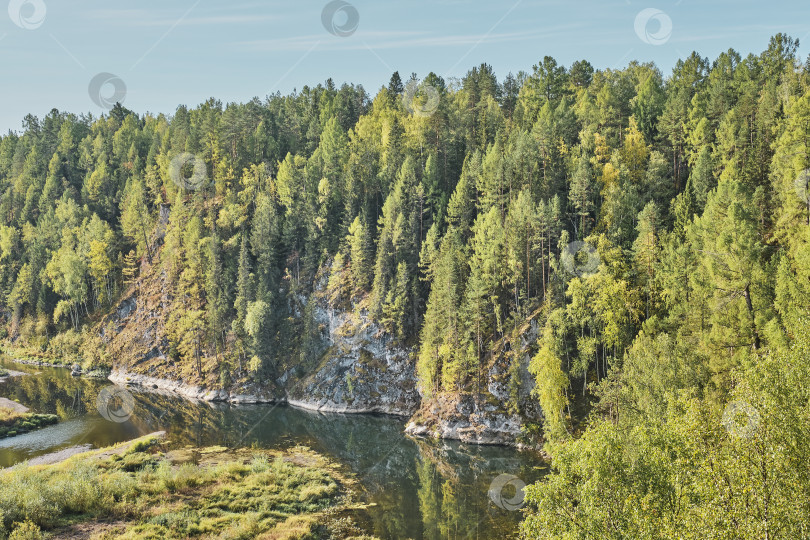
pixel 42 496
pixel 259 464
pixel 26 531
pixel 136 462
pixel 143 445
pixel 66 346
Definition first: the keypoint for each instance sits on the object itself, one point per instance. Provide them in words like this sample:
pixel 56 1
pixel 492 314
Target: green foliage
pixel 359 249
pixel 690 472
pixel 552 383
pixel 14 423
pixel 454 233
pixel 26 531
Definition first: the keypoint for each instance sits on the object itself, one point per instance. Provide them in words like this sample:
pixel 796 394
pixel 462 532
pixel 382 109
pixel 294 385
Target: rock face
pixel 13 405
pixel 355 367
pixel 362 370
pixel 484 418
pixel 473 419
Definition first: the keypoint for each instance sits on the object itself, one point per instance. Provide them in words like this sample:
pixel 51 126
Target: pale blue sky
pixel 171 52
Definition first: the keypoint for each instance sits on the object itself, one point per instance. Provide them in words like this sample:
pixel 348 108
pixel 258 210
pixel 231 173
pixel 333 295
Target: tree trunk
pixel 750 306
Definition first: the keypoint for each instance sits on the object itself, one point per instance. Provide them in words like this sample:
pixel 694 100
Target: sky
pixel 82 55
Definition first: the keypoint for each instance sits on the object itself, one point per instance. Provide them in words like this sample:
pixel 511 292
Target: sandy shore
pixel 60 455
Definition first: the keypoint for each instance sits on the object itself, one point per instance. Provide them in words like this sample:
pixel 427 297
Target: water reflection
pixel 417 489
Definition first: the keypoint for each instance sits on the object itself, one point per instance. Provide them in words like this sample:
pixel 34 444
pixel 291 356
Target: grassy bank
pixel 16 423
pixel 147 492
pixel 31 355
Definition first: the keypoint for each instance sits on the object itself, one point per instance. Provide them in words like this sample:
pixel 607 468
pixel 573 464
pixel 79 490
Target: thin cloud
pixel 381 40
pixel 221 19
pixel 146 18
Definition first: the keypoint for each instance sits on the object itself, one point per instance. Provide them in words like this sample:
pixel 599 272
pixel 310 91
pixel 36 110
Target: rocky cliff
pixel 504 413
pixel 358 369
pixel 363 370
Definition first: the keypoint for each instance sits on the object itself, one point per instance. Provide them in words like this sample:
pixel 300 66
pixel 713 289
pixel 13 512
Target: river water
pixel 419 489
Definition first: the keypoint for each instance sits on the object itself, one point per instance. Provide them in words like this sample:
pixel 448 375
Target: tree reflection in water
pixel 418 489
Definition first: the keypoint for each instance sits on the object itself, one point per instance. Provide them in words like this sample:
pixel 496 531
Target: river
pixel 418 489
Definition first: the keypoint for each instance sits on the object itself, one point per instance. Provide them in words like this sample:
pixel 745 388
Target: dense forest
pixel 654 230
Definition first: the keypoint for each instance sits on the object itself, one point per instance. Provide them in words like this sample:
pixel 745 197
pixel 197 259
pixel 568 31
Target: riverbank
pixel 39 363
pixel 478 420
pixel 15 419
pixel 140 489
pixel 461 417
pixel 31 357
pixel 389 464
pixel 193 392
pixel 75 369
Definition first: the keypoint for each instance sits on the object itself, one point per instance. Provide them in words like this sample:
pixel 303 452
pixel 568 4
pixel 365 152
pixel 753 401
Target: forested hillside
pixel 652 228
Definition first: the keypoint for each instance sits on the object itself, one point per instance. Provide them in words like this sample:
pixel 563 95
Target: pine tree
pixel 646 254
pixel 244 295
pixel 581 196
pixel 358 240
pixel 395 86
pixel 552 382
pixel 130 268
pixel 732 272
pixel 216 302
pixel 398 239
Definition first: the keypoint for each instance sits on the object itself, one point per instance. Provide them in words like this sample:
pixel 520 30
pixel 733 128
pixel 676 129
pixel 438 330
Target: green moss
pixel 350 383
pixel 368 362
pixel 134 462
pixel 346 330
pixel 228 494
pixel 366 357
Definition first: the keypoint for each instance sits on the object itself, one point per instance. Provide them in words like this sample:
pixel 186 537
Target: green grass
pixel 146 493
pixel 3 372
pixel 9 416
pixel 15 423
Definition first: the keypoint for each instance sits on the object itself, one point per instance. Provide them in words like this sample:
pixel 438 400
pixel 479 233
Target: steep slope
pixel 360 369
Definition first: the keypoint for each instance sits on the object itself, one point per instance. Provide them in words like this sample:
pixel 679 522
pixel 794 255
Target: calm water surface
pixel 419 489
